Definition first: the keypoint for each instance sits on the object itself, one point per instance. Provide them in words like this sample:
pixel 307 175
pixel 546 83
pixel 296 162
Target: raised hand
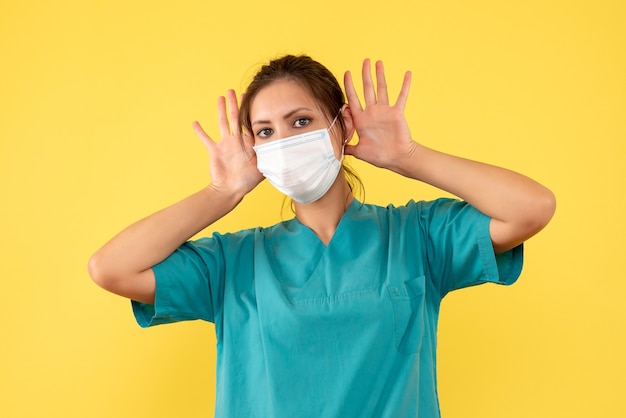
pixel 233 165
pixel 384 137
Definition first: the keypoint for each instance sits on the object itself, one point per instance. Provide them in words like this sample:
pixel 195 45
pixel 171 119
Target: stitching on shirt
pixel 334 298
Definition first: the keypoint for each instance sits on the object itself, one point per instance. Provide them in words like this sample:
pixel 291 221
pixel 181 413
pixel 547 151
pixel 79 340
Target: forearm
pixel 519 206
pixel 149 241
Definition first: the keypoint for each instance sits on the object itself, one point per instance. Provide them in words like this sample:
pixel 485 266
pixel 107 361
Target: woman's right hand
pixel 233 164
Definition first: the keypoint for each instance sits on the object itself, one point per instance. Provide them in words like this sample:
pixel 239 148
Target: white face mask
pixel 301 166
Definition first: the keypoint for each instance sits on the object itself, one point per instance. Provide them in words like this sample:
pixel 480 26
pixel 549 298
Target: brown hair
pixel 313 77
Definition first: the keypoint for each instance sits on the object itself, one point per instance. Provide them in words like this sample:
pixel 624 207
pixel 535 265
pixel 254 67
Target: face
pixel 284 109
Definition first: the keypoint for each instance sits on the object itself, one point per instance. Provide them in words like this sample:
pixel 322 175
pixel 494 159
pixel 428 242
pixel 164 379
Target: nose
pixel 281 132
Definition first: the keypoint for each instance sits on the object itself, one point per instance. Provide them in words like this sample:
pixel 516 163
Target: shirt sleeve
pixel 189 284
pixel 459 248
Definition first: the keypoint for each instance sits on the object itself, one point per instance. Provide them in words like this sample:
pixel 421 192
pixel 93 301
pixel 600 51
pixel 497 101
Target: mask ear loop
pixel 345 141
pixel 335 120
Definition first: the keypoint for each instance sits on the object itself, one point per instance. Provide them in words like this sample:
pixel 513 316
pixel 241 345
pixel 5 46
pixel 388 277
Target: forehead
pixel 281 97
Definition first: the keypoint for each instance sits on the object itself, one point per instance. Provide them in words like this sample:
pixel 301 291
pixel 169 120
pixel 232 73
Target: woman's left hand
pixel 384 136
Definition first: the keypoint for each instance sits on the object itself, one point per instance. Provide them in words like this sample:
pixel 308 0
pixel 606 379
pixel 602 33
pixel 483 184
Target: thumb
pixel 206 139
pixel 351 150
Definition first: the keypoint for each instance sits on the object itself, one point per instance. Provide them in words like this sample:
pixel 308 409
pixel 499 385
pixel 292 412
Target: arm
pixel 124 264
pixel 518 206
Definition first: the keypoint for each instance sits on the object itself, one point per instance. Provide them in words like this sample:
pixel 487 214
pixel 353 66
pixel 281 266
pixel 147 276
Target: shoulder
pixel 420 209
pixel 244 237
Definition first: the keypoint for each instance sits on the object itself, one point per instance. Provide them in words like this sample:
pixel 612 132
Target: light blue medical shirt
pixel 344 330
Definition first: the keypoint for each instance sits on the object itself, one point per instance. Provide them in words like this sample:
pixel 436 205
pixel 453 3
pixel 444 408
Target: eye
pixel 301 122
pixel 264 133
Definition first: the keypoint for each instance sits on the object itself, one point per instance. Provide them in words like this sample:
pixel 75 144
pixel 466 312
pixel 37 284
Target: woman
pixel 333 313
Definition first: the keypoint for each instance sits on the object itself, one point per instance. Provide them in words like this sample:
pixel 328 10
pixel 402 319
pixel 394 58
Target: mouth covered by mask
pixel 301 166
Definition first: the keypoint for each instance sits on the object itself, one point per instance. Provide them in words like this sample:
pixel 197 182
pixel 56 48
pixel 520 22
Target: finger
pixel 206 139
pixel 247 139
pixel 350 150
pixel 368 86
pixel 404 91
pixel 353 98
pixel 222 118
pixel 233 112
pixel 245 132
pixel 381 84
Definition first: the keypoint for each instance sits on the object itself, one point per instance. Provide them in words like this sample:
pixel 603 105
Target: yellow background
pixel 96 104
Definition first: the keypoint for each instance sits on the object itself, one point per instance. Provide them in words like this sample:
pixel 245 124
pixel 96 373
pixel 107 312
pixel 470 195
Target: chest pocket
pixel 407 299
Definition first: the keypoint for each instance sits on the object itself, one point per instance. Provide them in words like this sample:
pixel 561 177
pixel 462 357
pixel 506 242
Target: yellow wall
pixel 96 104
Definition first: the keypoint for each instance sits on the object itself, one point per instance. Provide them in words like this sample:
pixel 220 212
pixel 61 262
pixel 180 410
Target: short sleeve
pixel 189 285
pixel 459 248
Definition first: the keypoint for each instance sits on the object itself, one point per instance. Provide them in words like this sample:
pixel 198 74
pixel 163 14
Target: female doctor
pixel 334 312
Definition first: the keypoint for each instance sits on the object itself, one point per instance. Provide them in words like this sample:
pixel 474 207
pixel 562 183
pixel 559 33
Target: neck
pixel 323 215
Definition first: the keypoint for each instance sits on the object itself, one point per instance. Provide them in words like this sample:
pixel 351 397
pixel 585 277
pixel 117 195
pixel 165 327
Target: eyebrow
pixel 287 116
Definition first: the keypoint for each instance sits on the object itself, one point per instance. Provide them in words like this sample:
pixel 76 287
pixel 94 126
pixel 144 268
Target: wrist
pixel 409 163
pixel 228 196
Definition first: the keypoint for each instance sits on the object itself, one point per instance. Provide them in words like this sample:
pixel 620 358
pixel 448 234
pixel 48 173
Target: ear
pixel 346 114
